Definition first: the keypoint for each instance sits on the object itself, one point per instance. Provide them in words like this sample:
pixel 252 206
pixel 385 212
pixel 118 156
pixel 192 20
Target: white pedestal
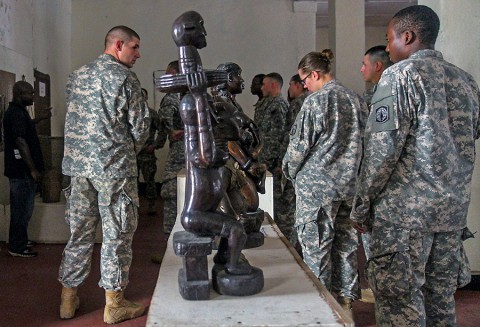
pixel 47 224
pixel 292 295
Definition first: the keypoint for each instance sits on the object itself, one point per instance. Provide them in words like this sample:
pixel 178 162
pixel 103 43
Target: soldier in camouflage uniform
pixel 256 89
pixel 146 159
pixel 106 125
pixel 271 122
pixel 375 61
pixel 322 160
pixel 414 185
pixel 172 123
pixel 286 206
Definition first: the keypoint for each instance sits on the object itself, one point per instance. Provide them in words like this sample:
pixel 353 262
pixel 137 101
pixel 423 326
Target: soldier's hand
pixel 359 227
pixel 177 135
pixel 150 148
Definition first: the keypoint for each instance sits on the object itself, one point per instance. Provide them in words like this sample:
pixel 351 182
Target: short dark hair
pixel 296 79
pixel 121 32
pixel 20 88
pixel 379 53
pixel 276 77
pixel 420 19
pixel 172 66
pixel 259 76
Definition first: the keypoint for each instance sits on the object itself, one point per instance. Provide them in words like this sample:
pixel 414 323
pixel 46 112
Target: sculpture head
pixel 188 29
pixel 235 84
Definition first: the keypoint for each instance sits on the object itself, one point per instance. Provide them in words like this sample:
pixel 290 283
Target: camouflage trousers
pixel 413 275
pixel 148 168
pixel 329 248
pixel 285 211
pixel 114 203
pixel 169 196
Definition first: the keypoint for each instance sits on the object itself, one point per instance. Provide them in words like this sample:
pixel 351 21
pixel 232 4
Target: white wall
pixel 374 35
pixel 52 52
pixel 459 41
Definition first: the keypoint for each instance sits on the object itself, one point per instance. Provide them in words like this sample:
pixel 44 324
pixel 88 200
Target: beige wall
pixel 261 36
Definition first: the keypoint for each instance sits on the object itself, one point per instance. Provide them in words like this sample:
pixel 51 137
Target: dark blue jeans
pixel 22 200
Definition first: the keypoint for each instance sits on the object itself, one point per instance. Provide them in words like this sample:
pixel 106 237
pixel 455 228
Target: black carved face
pixel 236 83
pixel 188 29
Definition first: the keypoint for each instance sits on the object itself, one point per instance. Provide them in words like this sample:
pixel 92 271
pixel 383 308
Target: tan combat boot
pixel 69 303
pixel 346 304
pixel 117 309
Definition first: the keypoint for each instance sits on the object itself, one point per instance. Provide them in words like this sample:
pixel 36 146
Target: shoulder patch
pixel 382 114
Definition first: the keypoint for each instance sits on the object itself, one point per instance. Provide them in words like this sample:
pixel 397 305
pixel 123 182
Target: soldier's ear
pixel 119 45
pixel 409 37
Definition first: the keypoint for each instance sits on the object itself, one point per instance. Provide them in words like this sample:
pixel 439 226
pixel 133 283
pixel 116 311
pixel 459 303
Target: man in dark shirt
pixel 23 166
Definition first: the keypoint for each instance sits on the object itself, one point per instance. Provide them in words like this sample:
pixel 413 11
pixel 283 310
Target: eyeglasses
pixel 303 80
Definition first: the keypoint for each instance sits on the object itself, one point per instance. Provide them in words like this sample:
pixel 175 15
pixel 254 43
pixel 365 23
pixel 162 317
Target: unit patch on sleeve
pixel 381 114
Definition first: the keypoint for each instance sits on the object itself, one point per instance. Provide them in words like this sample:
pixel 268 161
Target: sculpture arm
pixel 197 84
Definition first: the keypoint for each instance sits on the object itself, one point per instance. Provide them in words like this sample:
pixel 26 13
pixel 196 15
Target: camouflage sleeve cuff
pixel 360 210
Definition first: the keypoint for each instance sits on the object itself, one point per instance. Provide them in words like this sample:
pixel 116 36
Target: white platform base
pixel 292 295
pixel 47 224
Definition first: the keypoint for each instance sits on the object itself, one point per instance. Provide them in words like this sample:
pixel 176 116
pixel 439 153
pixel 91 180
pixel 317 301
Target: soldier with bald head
pixel 106 126
pixel 414 185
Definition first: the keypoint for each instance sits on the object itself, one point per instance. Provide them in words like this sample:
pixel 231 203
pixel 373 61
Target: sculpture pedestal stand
pixel 252 222
pixel 248 284
pixel 236 285
pixel 193 277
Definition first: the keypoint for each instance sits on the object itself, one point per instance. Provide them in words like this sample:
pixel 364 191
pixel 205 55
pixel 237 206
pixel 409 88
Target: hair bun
pixel 327 54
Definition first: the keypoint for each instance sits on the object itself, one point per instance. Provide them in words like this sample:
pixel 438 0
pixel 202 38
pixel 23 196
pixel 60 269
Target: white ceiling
pixel 377 12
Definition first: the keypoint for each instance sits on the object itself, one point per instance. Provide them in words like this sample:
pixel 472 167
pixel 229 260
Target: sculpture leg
pixel 236 241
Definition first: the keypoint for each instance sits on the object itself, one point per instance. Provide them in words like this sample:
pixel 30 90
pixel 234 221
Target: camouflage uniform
pixel 286 205
pixel 147 162
pixel 258 110
pixel 414 187
pixel 171 120
pixel 367 96
pixel 271 125
pixel 106 125
pixel 322 160
pixel 365 237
